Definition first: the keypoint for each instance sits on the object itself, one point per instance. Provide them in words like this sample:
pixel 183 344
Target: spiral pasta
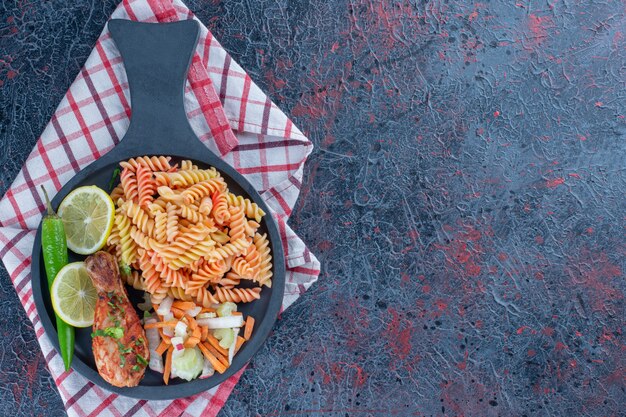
pixel 146 186
pixel 135 280
pixel 185 177
pixel 154 163
pixel 203 189
pixel 185 236
pixel 160 227
pixel 128 181
pixel 220 208
pixel 252 210
pixel 206 205
pixel 265 263
pixel 128 248
pixel 237 295
pixel 171 228
pixel 237 226
pixel 139 217
pixel 191 213
pixel 117 193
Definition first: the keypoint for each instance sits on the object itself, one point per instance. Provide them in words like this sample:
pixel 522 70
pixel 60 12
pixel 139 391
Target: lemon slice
pixel 73 295
pixel 87 213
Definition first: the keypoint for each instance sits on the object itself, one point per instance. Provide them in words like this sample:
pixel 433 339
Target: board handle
pixel 156 58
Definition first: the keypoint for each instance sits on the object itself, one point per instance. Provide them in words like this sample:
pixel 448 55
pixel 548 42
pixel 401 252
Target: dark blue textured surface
pixel 465 198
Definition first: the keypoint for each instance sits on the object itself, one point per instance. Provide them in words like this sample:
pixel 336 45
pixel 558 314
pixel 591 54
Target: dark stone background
pixel 465 197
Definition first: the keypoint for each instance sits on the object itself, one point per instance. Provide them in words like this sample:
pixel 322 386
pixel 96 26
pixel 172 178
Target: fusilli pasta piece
pixel 190 212
pixel 186 178
pixel 170 195
pixel 237 295
pixel 206 205
pixel 252 210
pixel 146 185
pixel 128 248
pixel 202 189
pixel 220 208
pixel 154 163
pixel 187 165
pixel 230 249
pixel 179 294
pixel 117 193
pixel 237 224
pixel 172 222
pixel 135 280
pixel 265 263
pixel 160 227
pixel 243 269
pixel 139 217
pixel 129 184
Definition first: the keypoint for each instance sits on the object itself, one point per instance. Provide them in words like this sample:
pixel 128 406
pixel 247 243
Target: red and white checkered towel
pixel 228 112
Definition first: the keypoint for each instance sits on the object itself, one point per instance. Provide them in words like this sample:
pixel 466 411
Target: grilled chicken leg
pixel 119 342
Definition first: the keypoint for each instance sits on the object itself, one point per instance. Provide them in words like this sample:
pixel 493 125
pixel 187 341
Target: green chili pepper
pixel 54 247
pixel 116 174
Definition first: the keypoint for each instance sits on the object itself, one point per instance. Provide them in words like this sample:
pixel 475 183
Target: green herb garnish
pixel 141 360
pixel 125 269
pixel 123 349
pixel 114 332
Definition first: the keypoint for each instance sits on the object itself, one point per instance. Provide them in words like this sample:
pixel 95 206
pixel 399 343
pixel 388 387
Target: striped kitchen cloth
pixel 229 114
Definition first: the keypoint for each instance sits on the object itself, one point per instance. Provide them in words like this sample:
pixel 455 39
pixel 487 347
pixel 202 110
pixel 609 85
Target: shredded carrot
pixel 237 313
pixel 240 341
pixel 216 344
pixel 220 357
pixel 249 326
pixel 204 332
pixel 184 305
pixel 158 324
pixel 191 342
pixel 178 313
pixel 168 365
pixel 155 306
pixel 207 310
pixel 217 365
pixel 197 333
pixel 166 338
pixel 191 322
pixel 162 347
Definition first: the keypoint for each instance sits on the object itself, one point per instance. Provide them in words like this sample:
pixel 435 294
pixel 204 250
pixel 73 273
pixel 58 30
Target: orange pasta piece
pixel 168 365
pixel 159 324
pixel 184 305
pixel 216 344
pixel 162 347
pixel 217 365
pixel 237 313
pixel 207 310
pixel 240 341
